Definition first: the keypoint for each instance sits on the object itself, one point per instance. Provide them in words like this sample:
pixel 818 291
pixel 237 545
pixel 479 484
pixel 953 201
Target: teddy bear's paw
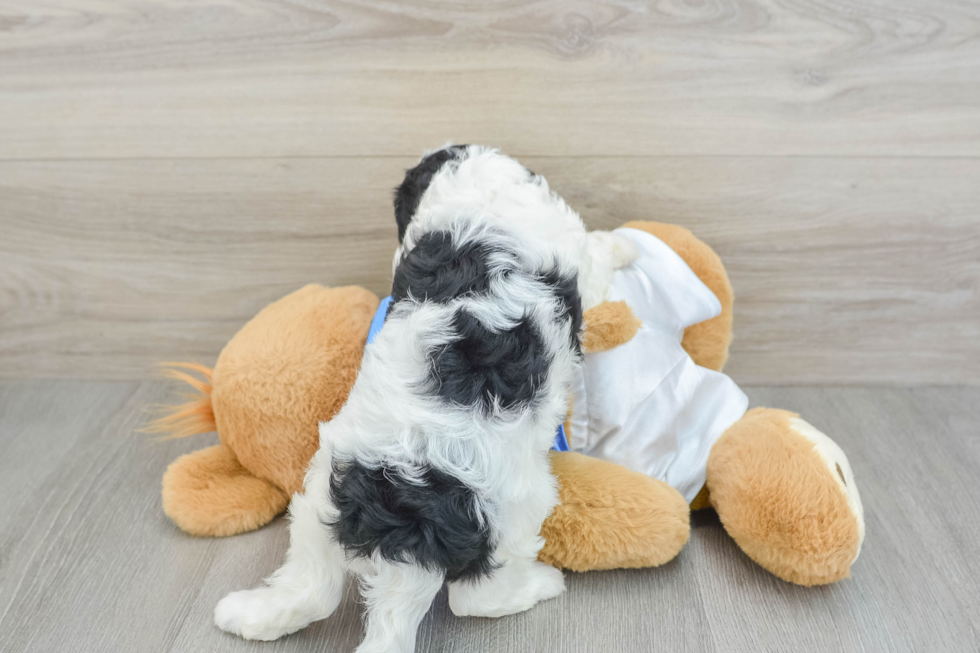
pixel 515 587
pixel 262 614
pixel 786 493
pixel 839 468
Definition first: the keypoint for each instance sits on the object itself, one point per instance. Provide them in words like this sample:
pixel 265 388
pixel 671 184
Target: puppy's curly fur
pixel 436 468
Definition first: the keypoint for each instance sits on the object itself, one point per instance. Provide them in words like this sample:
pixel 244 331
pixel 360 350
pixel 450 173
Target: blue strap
pixel 378 321
pixel 561 442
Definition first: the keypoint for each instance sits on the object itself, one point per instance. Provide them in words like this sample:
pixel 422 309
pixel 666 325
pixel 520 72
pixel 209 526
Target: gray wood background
pixel 167 168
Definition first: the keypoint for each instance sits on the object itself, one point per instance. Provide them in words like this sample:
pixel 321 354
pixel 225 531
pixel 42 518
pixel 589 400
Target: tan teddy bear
pixel 651 398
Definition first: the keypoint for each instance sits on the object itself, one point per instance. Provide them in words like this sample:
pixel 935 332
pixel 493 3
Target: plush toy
pixel 664 429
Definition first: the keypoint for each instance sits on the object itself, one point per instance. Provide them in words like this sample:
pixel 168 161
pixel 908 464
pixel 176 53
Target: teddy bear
pixel 654 428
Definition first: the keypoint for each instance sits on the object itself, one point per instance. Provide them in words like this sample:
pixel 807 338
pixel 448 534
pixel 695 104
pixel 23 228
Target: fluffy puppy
pixel 436 468
pixel 445 180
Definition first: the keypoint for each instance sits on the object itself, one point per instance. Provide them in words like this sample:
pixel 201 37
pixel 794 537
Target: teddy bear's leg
pixel 786 494
pixel 307 588
pixel 609 517
pixel 707 342
pixel 209 493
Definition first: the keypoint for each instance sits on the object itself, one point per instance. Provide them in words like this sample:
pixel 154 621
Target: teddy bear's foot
pixel 210 493
pixel 785 493
pixel 837 463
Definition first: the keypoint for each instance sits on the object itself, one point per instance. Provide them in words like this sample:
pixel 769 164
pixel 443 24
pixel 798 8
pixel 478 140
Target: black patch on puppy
pixel 417 180
pixel 432 522
pixel 565 288
pixel 437 270
pixel 485 368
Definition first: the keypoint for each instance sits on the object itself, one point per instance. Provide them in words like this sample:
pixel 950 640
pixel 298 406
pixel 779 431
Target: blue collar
pixel 378 321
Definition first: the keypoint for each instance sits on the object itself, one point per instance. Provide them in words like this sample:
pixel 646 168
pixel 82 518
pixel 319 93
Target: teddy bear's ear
pixel 209 493
pixel 608 325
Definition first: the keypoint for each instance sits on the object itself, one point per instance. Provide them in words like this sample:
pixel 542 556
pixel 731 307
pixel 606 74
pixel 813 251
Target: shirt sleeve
pixel 660 287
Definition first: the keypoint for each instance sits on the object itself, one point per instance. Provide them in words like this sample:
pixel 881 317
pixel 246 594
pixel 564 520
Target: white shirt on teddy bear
pixel 645 404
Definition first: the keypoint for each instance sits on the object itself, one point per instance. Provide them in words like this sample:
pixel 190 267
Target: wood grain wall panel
pixel 846 270
pixel 100 79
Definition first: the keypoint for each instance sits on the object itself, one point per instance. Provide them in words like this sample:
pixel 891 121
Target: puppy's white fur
pixel 501 455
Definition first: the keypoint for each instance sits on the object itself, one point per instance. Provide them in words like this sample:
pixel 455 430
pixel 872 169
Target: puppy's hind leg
pixel 397 596
pixel 307 588
pixel 517 585
pixel 520 580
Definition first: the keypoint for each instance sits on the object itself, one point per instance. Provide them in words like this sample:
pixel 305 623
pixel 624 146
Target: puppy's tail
pixel 196 415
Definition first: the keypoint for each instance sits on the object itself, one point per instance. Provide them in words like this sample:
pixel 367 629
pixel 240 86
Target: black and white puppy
pixel 436 469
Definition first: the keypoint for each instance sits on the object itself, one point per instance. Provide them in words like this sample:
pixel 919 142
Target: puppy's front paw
pixel 257 614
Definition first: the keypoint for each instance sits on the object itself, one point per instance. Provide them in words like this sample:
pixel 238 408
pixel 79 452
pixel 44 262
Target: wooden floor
pixel 90 562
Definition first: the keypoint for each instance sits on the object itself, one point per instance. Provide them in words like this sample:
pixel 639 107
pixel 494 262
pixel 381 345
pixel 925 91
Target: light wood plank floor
pixel 90 563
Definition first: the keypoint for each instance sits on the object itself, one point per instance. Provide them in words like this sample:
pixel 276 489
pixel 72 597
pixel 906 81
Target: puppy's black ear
pixel 417 180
